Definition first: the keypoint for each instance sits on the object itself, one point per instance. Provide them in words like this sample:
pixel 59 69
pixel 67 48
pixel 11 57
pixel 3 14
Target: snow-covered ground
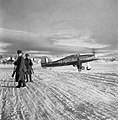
pixel 61 94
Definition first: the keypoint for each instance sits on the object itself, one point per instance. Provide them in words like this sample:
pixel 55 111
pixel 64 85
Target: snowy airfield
pixel 61 93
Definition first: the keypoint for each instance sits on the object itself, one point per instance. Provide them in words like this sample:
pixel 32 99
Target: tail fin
pixel 45 60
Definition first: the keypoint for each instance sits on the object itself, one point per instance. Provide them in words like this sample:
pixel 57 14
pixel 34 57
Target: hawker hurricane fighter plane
pixel 75 60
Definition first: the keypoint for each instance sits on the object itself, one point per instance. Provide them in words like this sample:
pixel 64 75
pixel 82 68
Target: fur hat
pixel 19 51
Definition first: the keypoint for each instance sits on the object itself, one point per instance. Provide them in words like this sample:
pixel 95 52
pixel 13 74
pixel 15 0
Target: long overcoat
pixel 28 64
pixel 20 69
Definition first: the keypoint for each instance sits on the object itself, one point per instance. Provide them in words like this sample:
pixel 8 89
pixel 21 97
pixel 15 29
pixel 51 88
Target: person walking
pixel 29 69
pixel 79 65
pixel 20 70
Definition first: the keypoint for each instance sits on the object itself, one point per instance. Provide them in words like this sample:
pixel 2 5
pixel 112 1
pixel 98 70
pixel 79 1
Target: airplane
pixel 75 60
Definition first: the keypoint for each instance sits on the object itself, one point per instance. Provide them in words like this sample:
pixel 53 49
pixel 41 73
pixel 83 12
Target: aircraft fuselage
pixel 69 60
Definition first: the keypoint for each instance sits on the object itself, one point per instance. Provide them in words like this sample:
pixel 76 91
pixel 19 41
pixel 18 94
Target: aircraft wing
pixel 89 60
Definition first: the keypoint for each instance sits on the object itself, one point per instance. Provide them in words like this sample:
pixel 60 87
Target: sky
pixel 59 27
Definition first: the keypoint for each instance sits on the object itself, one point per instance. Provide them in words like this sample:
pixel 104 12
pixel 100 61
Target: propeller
pixel 93 51
pixel 99 51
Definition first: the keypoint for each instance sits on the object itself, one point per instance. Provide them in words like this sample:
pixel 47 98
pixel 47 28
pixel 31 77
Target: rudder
pixel 45 60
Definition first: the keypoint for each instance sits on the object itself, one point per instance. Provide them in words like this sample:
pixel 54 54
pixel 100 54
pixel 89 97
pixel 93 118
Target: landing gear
pixel 80 68
pixel 88 68
pixel 83 67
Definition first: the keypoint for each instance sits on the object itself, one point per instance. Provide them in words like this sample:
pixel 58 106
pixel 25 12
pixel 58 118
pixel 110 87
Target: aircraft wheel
pixel 88 68
pixel 83 67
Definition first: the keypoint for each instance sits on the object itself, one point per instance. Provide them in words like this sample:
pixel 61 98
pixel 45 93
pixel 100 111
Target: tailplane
pixel 45 60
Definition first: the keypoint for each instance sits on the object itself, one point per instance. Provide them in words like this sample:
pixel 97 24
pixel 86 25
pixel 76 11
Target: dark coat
pixel 20 69
pixel 28 64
